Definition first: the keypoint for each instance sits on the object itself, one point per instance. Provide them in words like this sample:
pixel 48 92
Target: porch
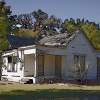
pixel 43 67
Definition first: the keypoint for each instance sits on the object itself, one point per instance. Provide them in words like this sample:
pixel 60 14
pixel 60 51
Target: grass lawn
pixel 15 91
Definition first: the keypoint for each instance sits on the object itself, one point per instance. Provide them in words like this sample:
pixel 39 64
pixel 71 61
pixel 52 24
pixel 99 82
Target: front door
pixel 98 69
pixel 58 66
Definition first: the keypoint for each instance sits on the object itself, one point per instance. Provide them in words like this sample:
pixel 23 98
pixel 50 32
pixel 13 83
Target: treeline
pixel 39 24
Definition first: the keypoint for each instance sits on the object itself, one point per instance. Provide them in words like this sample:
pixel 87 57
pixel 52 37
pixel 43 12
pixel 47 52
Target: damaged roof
pixel 61 39
pixel 57 40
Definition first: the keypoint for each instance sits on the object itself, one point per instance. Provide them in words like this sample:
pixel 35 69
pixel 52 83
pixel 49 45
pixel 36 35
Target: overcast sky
pixel 88 9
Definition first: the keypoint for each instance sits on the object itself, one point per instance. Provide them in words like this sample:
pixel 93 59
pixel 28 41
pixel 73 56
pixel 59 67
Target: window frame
pixel 80 60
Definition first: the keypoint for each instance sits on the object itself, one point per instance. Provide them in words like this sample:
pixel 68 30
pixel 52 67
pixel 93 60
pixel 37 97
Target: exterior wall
pixel 52 50
pixel 65 71
pixel 29 64
pixel 81 46
pixel 29 70
pixel 98 65
pixel 49 66
pixel 30 51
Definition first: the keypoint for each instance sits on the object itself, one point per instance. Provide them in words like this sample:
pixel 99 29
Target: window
pixel 9 59
pixel 79 63
pixel 12 64
pixel 40 65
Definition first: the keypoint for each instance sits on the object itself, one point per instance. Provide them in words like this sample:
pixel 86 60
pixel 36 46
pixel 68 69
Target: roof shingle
pixel 16 41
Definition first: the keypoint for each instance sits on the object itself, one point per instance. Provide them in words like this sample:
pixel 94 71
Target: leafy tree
pixel 53 22
pixel 22 25
pixel 25 20
pixel 40 18
pixel 92 33
pixel 69 25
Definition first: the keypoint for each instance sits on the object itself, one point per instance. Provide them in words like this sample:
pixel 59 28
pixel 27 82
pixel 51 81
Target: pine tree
pixel 4 28
pixel 4 24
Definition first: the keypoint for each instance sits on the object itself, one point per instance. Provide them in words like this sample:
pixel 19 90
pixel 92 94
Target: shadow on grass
pixel 51 94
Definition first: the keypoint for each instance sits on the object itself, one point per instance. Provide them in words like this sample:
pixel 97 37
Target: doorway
pixel 58 64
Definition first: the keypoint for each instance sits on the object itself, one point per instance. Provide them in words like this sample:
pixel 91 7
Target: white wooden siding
pixel 80 45
pixel 29 64
pixel 49 65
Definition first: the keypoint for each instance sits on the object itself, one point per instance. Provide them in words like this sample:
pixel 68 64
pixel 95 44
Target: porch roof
pixel 16 41
pixel 10 52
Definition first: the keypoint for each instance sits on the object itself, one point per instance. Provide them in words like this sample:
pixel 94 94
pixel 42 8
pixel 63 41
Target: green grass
pixel 48 92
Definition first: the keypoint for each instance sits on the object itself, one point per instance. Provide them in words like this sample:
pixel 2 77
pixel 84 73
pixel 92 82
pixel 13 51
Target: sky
pixel 87 9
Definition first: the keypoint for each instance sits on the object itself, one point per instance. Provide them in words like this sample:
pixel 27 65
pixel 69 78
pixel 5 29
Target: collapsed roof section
pixel 57 40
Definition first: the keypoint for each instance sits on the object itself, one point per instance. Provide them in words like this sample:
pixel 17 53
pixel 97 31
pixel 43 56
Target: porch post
pixel 35 69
